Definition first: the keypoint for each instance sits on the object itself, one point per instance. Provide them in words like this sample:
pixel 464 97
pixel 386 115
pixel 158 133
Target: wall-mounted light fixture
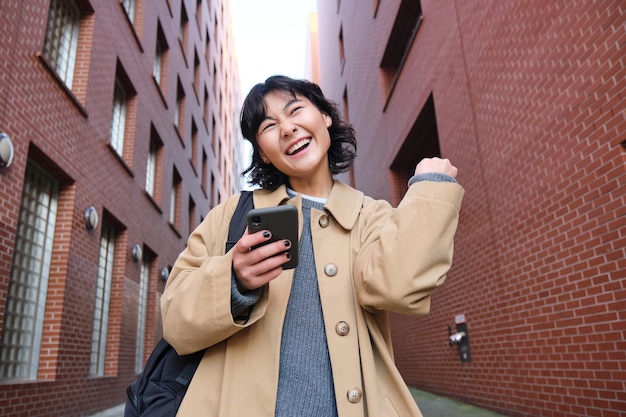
pixel 137 253
pixel 165 273
pixel 6 150
pixel 91 218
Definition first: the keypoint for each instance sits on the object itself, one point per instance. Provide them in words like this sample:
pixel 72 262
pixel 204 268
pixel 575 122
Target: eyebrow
pixel 290 102
pixel 285 107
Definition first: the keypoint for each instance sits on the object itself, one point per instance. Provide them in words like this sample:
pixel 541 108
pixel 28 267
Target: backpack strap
pixel 238 221
pixel 236 230
pixel 163 355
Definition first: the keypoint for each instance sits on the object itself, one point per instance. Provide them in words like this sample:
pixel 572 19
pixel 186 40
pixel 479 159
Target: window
pixel 103 297
pixel 207 48
pixel 194 145
pixel 159 70
pixel 142 308
pixel 213 190
pixel 214 141
pixel 199 13
pixel 205 115
pixel 192 215
pixel 61 42
pixel 129 7
pixel 421 142
pixel 403 33
pixel 214 86
pixel 196 73
pixel 151 168
pixel 183 36
pixel 205 170
pixel 175 195
pixel 179 110
pixel 342 53
pixel 153 165
pixel 122 114
pixel 28 284
pixel 118 120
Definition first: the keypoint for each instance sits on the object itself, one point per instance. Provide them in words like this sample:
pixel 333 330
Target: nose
pixel 287 128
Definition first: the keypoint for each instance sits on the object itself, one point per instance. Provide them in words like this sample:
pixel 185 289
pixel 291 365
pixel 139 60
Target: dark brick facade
pixel 528 99
pixel 65 131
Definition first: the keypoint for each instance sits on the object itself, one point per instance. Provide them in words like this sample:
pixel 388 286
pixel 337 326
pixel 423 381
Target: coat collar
pixel 344 202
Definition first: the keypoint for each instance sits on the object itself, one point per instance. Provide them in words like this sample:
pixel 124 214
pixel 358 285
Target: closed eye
pixel 266 126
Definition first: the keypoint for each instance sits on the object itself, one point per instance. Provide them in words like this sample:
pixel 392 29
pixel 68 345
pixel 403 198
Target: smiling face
pixel 294 138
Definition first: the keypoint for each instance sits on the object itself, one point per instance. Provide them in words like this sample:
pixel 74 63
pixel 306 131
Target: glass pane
pixel 28 285
pixel 61 40
pixel 103 294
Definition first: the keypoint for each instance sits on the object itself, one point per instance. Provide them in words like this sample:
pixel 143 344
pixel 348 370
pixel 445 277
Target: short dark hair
pixel 342 149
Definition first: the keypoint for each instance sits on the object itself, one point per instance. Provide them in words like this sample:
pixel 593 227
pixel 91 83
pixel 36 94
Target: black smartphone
pixel 282 222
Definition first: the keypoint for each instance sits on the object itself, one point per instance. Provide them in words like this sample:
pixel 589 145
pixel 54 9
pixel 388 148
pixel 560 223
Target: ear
pixel 328 120
pixel 264 158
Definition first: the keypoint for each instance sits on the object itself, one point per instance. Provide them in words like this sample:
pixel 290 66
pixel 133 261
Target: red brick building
pixel 528 99
pixel 120 117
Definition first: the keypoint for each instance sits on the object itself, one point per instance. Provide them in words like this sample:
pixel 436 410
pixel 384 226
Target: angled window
pixel 193 156
pixel 213 190
pixel 205 171
pixel 153 165
pixel 179 110
pixel 403 33
pixel 196 73
pixel 421 142
pixel 342 52
pixel 61 41
pixel 191 216
pixel 159 69
pixel 183 35
pixel 207 48
pixel 175 199
pixel 214 137
pixel 67 43
pixel 199 13
pixel 28 284
pixel 206 109
pixel 122 116
pixel 142 307
pixel 118 119
pixel 129 7
pixel 103 298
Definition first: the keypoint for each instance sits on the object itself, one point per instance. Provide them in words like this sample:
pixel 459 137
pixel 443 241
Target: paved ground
pixel 431 405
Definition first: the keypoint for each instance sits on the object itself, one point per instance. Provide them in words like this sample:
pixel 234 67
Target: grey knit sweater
pixel 305 383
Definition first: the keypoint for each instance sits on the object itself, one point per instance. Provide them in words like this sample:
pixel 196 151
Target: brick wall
pixel 66 131
pixel 529 103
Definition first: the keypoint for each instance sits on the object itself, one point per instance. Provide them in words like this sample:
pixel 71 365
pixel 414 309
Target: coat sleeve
pixel 406 252
pixel 196 303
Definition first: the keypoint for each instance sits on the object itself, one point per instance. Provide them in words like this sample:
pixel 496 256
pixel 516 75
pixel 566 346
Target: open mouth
pixel 298 146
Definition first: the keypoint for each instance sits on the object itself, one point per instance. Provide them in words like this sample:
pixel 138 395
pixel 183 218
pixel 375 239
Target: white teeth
pixel 297 146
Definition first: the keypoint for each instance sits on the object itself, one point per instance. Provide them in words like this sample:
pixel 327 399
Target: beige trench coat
pixel 385 260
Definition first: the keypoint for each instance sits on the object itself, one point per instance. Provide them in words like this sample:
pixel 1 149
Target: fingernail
pixel 287 243
pixel 266 234
pixel 288 255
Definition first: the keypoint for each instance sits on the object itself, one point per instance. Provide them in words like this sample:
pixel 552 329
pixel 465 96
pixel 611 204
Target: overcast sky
pixel 270 38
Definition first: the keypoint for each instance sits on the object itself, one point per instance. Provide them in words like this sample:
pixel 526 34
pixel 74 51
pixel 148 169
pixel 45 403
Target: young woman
pixel 313 341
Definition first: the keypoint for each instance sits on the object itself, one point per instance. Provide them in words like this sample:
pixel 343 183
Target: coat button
pixel 330 270
pixel 342 328
pixel 324 220
pixel 354 395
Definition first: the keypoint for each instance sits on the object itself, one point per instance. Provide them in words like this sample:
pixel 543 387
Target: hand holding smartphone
pixel 282 222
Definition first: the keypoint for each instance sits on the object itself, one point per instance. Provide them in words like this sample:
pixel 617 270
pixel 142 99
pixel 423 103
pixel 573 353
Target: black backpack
pixel 161 386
